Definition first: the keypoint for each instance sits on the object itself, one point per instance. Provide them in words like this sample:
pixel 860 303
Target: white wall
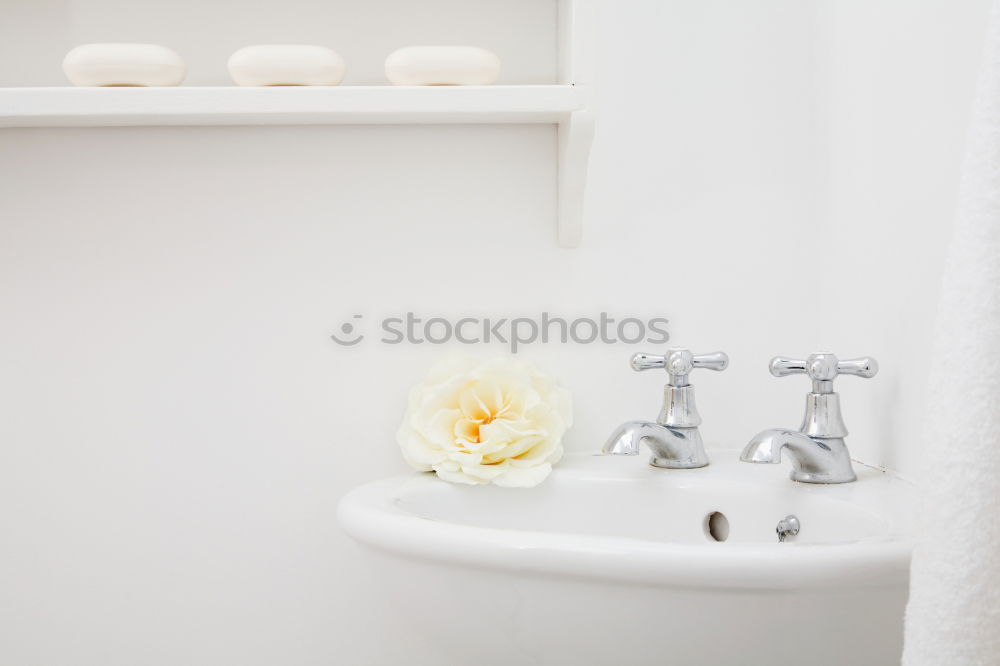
pixel 774 177
pixel 898 80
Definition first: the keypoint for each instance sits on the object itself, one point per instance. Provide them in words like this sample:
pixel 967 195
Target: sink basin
pixel 613 561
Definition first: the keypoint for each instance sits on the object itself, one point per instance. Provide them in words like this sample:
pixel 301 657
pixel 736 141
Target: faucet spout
pixel 674 448
pixel 814 459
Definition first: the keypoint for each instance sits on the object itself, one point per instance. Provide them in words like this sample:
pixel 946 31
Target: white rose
pixel 496 421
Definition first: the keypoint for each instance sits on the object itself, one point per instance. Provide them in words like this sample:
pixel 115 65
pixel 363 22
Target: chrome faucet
pixel 817 449
pixel 673 438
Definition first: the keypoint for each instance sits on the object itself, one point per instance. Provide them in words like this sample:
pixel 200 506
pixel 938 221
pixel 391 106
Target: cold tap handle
pixel 866 367
pixel 823 368
pixel 782 367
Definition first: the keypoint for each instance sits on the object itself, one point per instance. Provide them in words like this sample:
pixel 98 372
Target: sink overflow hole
pixel 717 526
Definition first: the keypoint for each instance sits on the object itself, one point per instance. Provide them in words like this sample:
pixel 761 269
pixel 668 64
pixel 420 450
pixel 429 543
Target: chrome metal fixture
pixel 787 526
pixel 817 449
pixel 673 438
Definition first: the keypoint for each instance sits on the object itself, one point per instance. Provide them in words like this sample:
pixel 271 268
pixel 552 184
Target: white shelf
pixel 110 107
pixel 563 105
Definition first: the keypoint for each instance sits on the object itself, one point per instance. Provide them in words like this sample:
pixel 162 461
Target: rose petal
pixel 454 477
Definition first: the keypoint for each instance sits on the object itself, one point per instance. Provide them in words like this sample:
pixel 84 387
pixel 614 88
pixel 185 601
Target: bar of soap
pixel 442 66
pixel 124 65
pixel 286 65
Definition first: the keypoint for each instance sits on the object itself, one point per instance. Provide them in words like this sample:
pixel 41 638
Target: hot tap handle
pixel 679 362
pixel 823 368
pixel 717 361
pixel 641 362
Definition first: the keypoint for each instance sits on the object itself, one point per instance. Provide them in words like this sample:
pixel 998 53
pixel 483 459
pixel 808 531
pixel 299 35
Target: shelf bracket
pixel 577 36
pixel 576 133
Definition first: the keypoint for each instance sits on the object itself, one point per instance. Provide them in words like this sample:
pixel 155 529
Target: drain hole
pixel 717 526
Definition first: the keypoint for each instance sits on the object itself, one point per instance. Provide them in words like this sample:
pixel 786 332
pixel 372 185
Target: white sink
pixel 611 561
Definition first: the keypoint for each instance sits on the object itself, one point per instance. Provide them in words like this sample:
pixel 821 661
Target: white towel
pixel 953 616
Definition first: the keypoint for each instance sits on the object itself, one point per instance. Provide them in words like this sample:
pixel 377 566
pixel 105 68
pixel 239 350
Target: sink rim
pixel 369 514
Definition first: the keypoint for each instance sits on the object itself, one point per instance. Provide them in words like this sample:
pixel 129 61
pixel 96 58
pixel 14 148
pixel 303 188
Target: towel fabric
pixel 953 616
